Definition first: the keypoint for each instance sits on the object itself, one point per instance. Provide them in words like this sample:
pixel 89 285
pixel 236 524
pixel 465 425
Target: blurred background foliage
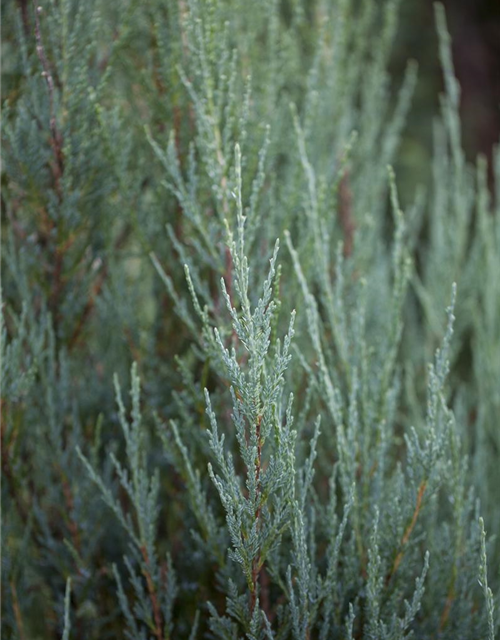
pixel 475 32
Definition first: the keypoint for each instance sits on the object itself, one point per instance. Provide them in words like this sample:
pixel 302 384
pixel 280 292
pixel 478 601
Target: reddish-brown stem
pixel 177 116
pixel 411 526
pixel 56 140
pixel 7 468
pixel 446 610
pixel 57 285
pixel 58 280
pixel 23 7
pixel 89 306
pixel 17 611
pixel 345 214
pixel 152 596
pixel 408 530
pixel 70 507
pixel 136 355
pixel 57 166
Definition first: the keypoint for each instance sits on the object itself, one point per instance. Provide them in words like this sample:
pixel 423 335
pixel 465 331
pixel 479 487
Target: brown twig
pixel 408 530
pixel 89 306
pixel 23 7
pixel 155 71
pixel 17 611
pixel 70 508
pixel 152 596
pixel 58 279
pixel 57 285
pixel 56 166
pixel 447 609
pixel 134 350
pixel 7 468
pixel 56 140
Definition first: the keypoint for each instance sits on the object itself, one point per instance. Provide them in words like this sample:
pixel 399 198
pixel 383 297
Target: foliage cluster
pixel 311 438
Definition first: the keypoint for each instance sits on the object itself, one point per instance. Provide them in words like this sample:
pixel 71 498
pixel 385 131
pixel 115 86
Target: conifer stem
pixel 345 214
pixel 89 306
pixel 408 530
pixel 23 7
pixel 56 137
pixel 7 468
pixel 70 507
pixel 17 612
pixel 256 560
pixel 446 611
pixel 152 596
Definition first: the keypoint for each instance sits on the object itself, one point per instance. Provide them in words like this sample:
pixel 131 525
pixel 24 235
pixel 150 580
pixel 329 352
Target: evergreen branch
pixel 56 137
pixel 483 582
pixel 67 620
pixel 158 628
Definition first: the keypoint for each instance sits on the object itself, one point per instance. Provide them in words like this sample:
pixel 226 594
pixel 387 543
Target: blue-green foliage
pixel 200 200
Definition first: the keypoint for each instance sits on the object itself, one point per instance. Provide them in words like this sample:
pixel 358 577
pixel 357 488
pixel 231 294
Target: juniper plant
pixel 199 199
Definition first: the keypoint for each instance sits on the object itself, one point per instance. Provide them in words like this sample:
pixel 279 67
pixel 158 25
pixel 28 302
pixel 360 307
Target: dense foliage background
pixel 151 150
